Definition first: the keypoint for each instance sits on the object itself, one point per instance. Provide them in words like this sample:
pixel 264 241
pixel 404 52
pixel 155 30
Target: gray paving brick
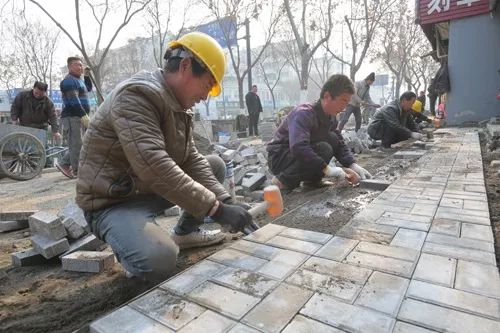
pixel 345 316
pixel 478 278
pixel 304 324
pixel 282 264
pixel 47 247
pixel 278 308
pixel 27 258
pixel 349 231
pixel 370 213
pixel 337 287
pixel 172 211
pixel 238 259
pixel 380 263
pixel 247 282
pixel 404 223
pixel 170 310
pixel 460 242
pixel 408 217
pixel 402 327
pixel 6 226
pixel 471 212
pixel 451 202
pixel 87 243
pixel 403 203
pixel 16 215
pixel 88 261
pixel 332 268
pixel 412 239
pixel 229 302
pixel 129 321
pixel 459 253
pixel 305 235
pixel 375 227
pixel 255 249
pixel 475 188
pixel 374 184
pixel 463 218
pixel 240 328
pixel 337 248
pixel 388 251
pixel 444 319
pixel 456 299
pixel 392 209
pixel 447 227
pixel 47 225
pixel 73 229
pixel 476 205
pixel 294 244
pixel 265 233
pixel 209 321
pixel 479 232
pixel 383 292
pixel 436 269
pixel 424 209
pixel 191 278
pixel 465 196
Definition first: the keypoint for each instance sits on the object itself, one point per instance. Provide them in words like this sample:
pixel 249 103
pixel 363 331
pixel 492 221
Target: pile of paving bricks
pixel 65 236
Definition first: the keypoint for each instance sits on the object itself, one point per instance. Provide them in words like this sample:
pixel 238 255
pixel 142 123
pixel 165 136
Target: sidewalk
pixel 419 258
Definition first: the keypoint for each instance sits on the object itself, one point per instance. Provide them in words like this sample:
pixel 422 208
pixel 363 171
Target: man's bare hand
pixel 56 136
pixel 352 176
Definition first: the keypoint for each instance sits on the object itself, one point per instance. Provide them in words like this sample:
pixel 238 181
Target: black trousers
pixel 347 114
pixel 387 134
pixel 253 122
pixel 291 172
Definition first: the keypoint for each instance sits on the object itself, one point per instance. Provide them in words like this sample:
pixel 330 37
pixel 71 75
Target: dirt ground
pixel 45 298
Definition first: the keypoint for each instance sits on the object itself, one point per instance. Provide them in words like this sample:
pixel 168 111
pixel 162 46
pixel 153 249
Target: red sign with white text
pixel 433 11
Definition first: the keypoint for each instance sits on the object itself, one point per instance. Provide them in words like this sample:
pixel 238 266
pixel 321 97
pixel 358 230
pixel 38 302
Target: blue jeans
pixel 140 245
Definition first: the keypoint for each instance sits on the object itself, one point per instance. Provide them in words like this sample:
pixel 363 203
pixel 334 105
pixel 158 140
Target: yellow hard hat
pixel 208 51
pixel 417 106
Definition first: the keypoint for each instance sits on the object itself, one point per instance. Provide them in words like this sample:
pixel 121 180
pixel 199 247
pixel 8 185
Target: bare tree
pixel 420 69
pixel 100 14
pixel 362 25
pixel 313 28
pixel 241 11
pixel 323 67
pixel 270 66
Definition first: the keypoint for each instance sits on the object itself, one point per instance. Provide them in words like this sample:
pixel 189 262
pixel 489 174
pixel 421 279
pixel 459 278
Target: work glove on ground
pixel 234 218
pixel 85 120
pixel 362 172
pixel 335 172
pixel 416 136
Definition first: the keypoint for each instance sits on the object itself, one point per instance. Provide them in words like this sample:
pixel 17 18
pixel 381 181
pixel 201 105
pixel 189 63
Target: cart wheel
pixel 22 156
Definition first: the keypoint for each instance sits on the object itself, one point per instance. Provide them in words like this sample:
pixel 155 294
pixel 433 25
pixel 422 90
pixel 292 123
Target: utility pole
pixel 249 54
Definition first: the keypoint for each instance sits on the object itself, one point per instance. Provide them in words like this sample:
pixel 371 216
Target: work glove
pixel 85 120
pixel 416 136
pixel 234 218
pixel 230 201
pixel 362 172
pixel 335 172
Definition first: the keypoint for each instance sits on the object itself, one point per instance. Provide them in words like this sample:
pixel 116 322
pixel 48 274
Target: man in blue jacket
pixel 306 141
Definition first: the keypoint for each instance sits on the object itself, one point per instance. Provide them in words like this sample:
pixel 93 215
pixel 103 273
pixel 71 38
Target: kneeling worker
pixel 307 139
pixel 394 122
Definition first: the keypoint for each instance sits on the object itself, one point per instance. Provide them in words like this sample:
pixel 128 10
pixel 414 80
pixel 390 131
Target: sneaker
pixel 198 238
pixel 65 170
pixel 283 188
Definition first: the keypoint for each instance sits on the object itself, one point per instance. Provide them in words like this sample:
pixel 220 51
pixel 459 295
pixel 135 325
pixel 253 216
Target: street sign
pixel 223 30
pixel 381 80
pixel 433 11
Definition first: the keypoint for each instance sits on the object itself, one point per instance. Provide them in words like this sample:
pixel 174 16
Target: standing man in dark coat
pixel 254 108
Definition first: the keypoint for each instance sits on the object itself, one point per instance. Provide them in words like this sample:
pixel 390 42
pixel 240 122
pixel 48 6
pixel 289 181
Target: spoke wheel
pixel 22 156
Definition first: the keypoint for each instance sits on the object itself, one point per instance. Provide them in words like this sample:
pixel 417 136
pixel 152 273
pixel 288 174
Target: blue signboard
pixel 223 30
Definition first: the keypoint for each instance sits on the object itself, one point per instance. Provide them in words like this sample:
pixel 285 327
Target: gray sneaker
pixel 198 238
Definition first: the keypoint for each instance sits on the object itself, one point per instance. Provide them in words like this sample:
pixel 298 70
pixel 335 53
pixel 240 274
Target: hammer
pixel 272 204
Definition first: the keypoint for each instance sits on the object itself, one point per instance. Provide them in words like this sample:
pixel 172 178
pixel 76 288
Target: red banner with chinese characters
pixel 433 11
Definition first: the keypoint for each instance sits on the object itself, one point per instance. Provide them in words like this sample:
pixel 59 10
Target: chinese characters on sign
pixel 444 5
pixel 434 11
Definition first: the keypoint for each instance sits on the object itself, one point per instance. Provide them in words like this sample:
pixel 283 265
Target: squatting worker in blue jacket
pixel 305 142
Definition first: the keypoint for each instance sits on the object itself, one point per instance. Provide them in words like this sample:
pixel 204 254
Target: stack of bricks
pixel 48 234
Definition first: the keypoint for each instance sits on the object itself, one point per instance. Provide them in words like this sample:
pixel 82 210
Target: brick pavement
pixel 419 258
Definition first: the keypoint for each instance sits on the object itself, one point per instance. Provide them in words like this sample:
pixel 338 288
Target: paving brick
pixel 265 233
pixel 237 259
pixel 73 229
pixel 471 212
pixel 16 215
pixel 337 248
pixel 337 287
pixel 375 227
pixel 345 316
pixel 305 235
pixel 294 244
pixel 402 327
pixel 459 253
pixel 436 269
pixel 87 243
pixel 374 184
pixel 450 202
pixel 456 299
pixel 404 223
pixel 460 242
pixel 394 209
pixel 412 239
pixel 358 275
pixel 465 196
pixel 209 321
pixel 463 218
pixel 88 261
pixel 445 226
pixel 49 248
pixel 304 324
pixel 191 278
pixel 444 319
pixel 371 213
pixel 401 203
pixel 408 217
pixel 240 328
pixel 229 302
pixel 247 282
pixel 47 225
pixel 408 154
pixel 478 278
pixel 364 235
pixel 384 264
pixel 255 249
pixel 282 264
pixel 388 251
pixel 475 188
pixel 476 205
pixel 76 213
pixel 479 232
pixel 424 209
pixel 27 258
pixel 275 311
pixel 129 321
pixel 172 211
pixel 6 226
pixel 383 292
pixel 170 310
